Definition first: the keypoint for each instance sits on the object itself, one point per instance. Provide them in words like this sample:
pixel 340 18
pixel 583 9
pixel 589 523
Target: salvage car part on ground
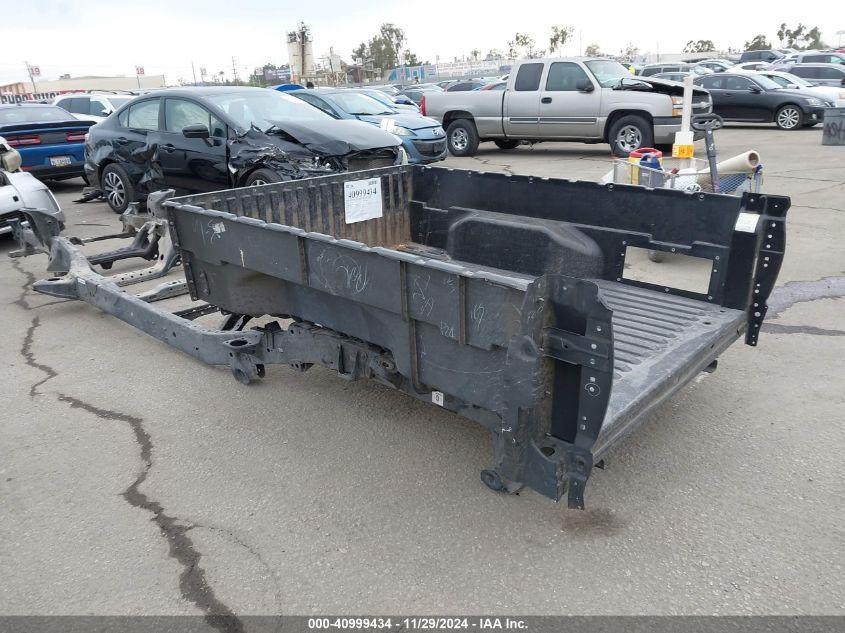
pixel 505 299
pixel 150 241
pixel 28 209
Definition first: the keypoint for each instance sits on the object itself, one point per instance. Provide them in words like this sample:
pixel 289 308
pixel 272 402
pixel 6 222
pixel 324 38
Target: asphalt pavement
pixel 135 480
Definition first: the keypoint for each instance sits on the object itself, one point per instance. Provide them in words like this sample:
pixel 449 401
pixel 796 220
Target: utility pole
pixel 29 70
pixel 234 71
pixel 193 71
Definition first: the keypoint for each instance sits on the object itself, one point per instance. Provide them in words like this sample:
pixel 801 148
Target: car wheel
pixel 506 144
pixel 629 133
pixel 462 138
pixel 789 117
pixel 262 177
pixel 117 188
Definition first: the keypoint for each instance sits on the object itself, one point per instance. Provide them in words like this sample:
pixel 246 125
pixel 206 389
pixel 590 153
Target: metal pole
pixel 193 72
pixel 31 78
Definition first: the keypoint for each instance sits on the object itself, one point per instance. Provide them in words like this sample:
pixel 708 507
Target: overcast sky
pixel 82 37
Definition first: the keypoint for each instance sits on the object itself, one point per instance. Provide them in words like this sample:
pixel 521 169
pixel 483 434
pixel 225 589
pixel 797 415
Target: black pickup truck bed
pixel 501 298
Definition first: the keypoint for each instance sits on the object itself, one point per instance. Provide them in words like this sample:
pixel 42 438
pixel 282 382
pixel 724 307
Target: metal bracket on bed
pixel 772 238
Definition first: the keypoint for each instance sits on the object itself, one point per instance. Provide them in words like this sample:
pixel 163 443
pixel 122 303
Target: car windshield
pixel 33 114
pixel 118 102
pixel 356 103
pixel 261 108
pixel 378 96
pixel 767 83
pixel 608 72
pixel 391 90
pixel 787 78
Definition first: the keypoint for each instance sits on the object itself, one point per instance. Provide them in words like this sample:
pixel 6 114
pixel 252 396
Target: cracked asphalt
pixel 135 480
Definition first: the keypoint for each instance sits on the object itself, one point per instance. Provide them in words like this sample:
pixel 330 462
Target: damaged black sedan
pixel 205 139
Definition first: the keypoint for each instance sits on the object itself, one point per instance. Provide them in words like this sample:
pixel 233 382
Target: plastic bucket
pixel 635 157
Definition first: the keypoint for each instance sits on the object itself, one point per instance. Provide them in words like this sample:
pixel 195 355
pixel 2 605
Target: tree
pixel 592 50
pixel 800 37
pixel 758 43
pixel 384 48
pixel 360 53
pixel 522 45
pixel 813 39
pixel 493 53
pixel 782 33
pixel 411 59
pixel 699 46
pixel 474 53
pixel 630 52
pixel 560 36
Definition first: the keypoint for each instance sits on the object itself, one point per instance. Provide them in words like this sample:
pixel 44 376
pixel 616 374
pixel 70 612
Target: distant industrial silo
pixel 300 53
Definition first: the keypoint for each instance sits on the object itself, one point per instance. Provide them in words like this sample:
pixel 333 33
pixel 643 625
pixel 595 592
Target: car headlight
pixel 389 125
pixel 814 102
pixel 677 106
pixel 401 131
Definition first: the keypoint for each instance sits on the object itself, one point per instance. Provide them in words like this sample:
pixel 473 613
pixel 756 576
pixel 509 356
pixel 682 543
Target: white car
pixel 92 106
pixel 792 82
pixel 750 66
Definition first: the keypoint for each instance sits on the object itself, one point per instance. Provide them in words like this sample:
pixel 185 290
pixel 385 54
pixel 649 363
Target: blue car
pixel 400 103
pixel 423 139
pixel 50 140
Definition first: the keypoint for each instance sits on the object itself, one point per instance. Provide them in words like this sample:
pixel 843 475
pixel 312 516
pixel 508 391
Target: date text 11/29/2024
pixel 417 623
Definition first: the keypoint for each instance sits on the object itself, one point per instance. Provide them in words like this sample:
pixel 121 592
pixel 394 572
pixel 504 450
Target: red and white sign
pixel 139 70
pixel 35 70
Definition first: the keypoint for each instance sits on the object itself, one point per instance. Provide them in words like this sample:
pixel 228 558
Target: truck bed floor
pixel 660 343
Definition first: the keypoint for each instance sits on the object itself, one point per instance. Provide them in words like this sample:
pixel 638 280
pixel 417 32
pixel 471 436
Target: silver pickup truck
pixel 583 99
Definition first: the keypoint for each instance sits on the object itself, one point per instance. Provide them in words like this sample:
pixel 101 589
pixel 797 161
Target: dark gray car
pixel 210 138
pixel 817 74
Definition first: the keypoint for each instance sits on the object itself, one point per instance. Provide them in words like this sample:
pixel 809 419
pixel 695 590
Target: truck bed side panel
pixel 484 107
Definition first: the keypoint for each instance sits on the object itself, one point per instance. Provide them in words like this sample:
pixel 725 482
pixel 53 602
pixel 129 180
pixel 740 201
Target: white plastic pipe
pixel 686 112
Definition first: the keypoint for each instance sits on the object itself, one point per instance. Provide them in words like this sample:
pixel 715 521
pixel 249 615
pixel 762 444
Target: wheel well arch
pixel 618 114
pixel 453 115
pixel 242 178
pixel 102 167
pixel 240 181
